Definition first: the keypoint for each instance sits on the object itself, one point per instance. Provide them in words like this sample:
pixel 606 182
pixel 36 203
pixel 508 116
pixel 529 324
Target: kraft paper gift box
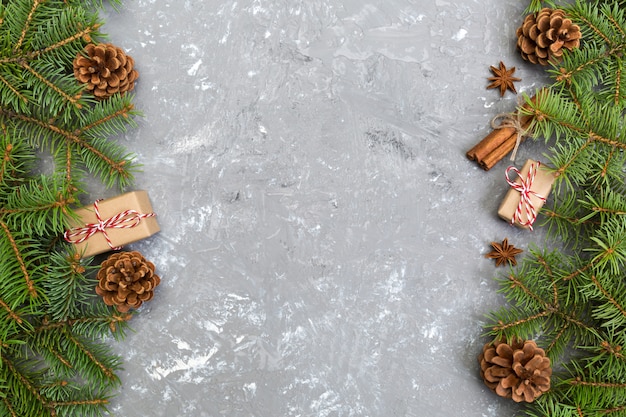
pixel 123 219
pixel 536 188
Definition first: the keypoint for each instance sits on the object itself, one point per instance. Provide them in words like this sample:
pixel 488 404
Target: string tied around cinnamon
pixel 124 220
pixel 513 121
pixel 525 189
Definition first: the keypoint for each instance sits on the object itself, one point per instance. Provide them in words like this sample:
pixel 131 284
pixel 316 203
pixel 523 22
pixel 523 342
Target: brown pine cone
pixel 519 370
pixel 543 35
pixel 126 280
pixel 105 69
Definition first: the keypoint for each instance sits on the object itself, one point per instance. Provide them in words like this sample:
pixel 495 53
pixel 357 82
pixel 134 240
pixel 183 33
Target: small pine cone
pixel 519 370
pixel 543 35
pixel 105 69
pixel 126 280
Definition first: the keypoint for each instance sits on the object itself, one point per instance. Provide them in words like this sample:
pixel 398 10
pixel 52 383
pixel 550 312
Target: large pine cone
pixel 544 34
pixel 519 370
pixel 105 69
pixel 126 280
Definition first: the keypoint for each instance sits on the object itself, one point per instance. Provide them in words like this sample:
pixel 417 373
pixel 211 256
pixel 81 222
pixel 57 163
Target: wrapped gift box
pixel 112 223
pixel 537 187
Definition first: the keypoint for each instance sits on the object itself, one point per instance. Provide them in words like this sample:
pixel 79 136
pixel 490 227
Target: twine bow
pixel 512 120
pixel 124 220
pixel 524 188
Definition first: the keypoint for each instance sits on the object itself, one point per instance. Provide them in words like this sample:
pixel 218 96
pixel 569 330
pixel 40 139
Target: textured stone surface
pixel 323 235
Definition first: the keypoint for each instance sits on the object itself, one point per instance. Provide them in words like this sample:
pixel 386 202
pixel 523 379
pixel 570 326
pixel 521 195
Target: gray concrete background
pixel 323 235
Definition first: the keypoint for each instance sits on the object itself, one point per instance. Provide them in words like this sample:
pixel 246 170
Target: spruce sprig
pixel 54 359
pixel 571 298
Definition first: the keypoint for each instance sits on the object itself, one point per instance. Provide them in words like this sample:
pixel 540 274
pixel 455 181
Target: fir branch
pixel 17 161
pixel 9 408
pixel 67 286
pixel 589 151
pixel 31 65
pixel 96 321
pixel 575 302
pixel 74 100
pixel 545 304
pixel 101 157
pixel 608 357
pixel 59 357
pixel 109 117
pixel 11 314
pixel 93 359
pixel 608 246
pixel 87 32
pixel 25 398
pixel 20 259
pixel 20 96
pixel 579 382
pixel 6 158
pixel 52 340
pixel 87 408
pixel 38 207
pixel 29 18
pixel 612 304
pixel 578 271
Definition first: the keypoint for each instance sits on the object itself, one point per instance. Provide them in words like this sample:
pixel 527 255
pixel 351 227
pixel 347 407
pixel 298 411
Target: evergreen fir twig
pixel 54 359
pixel 572 299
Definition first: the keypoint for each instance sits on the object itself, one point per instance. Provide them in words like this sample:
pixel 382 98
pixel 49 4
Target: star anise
pixel 503 78
pixel 503 253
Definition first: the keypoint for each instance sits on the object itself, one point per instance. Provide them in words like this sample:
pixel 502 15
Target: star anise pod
pixel 503 78
pixel 503 253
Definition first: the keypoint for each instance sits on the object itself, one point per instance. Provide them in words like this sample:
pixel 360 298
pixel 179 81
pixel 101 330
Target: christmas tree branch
pixel 501 326
pixel 34 401
pixel 52 86
pixel 613 350
pixel 55 360
pixel 69 136
pixel 107 371
pixel 59 357
pixel 81 34
pixel 116 169
pixel 18 44
pixel 124 112
pixel 68 287
pixel 579 382
pixel 19 259
pixel 608 296
pixel 573 299
pixel 6 158
pixel 14 90
pixel 9 407
pixel 60 203
pixel 577 272
pixel 95 323
pixel 12 314
pixel 69 165
pixel 38 207
pixel 557 339
pixel 608 211
pixel 95 401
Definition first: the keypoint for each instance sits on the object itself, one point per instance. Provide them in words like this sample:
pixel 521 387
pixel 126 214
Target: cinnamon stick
pixel 498 153
pixel 498 143
pixel 504 148
pixel 489 143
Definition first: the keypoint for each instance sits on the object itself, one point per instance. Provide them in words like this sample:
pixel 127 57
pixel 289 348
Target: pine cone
pixel 105 69
pixel 519 370
pixel 543 35
pixel 126 280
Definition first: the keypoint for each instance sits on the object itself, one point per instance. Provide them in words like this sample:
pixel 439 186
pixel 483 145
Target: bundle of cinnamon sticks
pixel 497 144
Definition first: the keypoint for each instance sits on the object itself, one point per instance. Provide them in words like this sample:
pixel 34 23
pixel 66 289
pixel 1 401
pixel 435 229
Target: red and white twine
pixel 124 220
pixel 525 189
